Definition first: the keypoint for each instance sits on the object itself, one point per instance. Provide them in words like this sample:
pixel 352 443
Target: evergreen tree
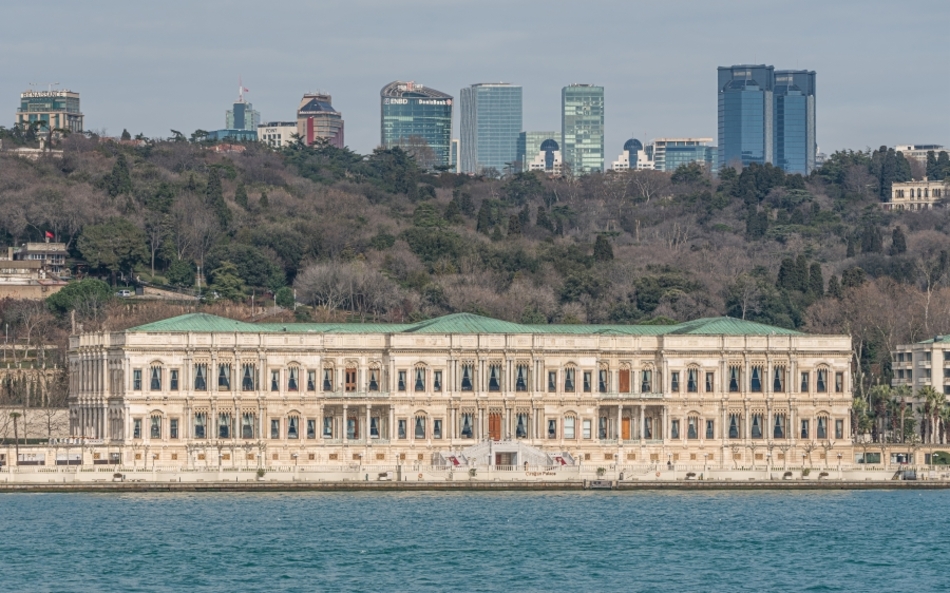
pixel 496 234
pixel 126 135
pixel 453 214
pixel 542 219
pixel 834 288
pixel 871 239
pixel 786 273
pixel 264 202
pixel 942 170
pixel 483 223
pixel 852 277
pixel 514 225
pixel 240 196
pixel 214 196
pixel 466 205
pixel 932 165
pixel 756 223
pixel 816 282
pixel 524 217
pixel 852 247
pixel 120 180
pixel 898 241
pixel 602 249
pixel 801 273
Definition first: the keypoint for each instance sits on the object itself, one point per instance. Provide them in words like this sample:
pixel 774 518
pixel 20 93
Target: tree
pixel 115 245
pixel 214 196
pixel 514 225
pixel 898 241
pixel 484 223
pixel 180 273
pixel 125 135
pixel 16 434
pixel 227 283
pixel 264 203
pixel 871 240
pixel 453 214
pixel 240 196
pixel 285 298
pixel 816 282
pixel 602 250
pixel 834 288
pixel 119 181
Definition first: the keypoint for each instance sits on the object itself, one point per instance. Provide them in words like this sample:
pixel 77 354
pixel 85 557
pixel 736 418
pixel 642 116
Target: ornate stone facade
pixel 199 389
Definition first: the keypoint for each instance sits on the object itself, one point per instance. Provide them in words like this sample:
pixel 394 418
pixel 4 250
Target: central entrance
pixel 625 429
pixel 494 426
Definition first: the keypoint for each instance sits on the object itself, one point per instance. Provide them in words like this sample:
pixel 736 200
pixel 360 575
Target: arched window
pixel 224 376
pixel 521 427
pixel 248 423
pixel 755 382
pixel 821 380
pixel 249 375
pixel 735 421
pixel 293 427
pixel 778 379
pixel 603 379
pixel 521 377
pixel 494 376
pixel 646 380
pixel 420 380
pixel 734 375
pixel 467 373
pixel 692 380
pixel 373 378
pixel 757 426
pixel 420 428
pixel 692 427
pixel 293 378
pixel 328 378
pixel 201 376
pixel 778 430
pixel 569 385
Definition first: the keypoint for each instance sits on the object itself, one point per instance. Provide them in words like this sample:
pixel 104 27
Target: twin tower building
pixel 765 116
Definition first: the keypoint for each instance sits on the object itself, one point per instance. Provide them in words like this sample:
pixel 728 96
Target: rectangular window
pixel 374 428
pixel 494 377
pixel 778 379
pixel 437 381
pixel 249 378
pixel 521 429
pixel 293 379
pixel 328 379
pixel 624 380
pixel 804 429
pixel 437 428
pixel 521 380
pixel 311 428
pixel 374 379
pixel 733 426
pixel 927 356
pixel 173 428
pixel 200 420
pixel 602 427
pixel 821 381
pixel 420 428
pixel 587 382
pixel 602 381
pixel 155 431
pixel 173 380
pixel 778 431
pixel 349 379
pixel 674 429
pixel 692 381
pixel 311 380
pixel 224 377
pixel 839 429
pixel 839 382
pixel 136 379
pixel 552 428
pixel 757 426
pixel 420 382
pixel 822 432
pixel 201 377
pixel 569 380
pixel 804 382
pixel 401 381
pixel 293 427
pixel 155 383
pixel 467 373
pixel 586 427
pixel 710 429
pixel 675 381
pixel 755 382
pixel 692 430
pixel 401 424
pixel 733 379
pixel 274 381
pixel 274 428
pixel 569 428
pixel 646 381
pixel 247 425
pixel 137 428
pixel 710 382
pixel 224 426
pixel 552 381
pixel 468 423
pixel 327 427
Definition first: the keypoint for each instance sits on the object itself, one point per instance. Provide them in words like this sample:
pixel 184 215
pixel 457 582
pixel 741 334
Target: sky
pixel 882 66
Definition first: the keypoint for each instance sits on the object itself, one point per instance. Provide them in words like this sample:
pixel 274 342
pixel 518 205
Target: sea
pixel 477 541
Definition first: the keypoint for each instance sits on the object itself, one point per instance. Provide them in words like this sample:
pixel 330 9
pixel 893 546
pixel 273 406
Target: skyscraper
pixel 242 116
pixel 418 119
pixel 794 137
pixel 490 124
pixel 582 127
pixel 745 115
pixel 317 119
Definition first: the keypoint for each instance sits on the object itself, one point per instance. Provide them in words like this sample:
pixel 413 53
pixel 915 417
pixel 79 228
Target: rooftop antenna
pixel 241 90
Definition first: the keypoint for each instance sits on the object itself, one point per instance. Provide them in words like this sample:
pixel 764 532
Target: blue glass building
pixel 582 127
pixel 745 115
pixel 490 125
pixel 794 137
pixel 418 119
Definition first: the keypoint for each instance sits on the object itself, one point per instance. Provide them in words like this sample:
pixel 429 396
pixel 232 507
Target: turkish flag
pixel 49 235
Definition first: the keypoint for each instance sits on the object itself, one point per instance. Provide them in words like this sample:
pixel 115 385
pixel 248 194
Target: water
pixel 593 541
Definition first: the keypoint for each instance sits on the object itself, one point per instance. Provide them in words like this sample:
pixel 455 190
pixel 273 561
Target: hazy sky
pixel 882 65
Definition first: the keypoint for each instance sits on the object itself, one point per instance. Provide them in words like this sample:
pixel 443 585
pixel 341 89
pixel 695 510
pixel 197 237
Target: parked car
pixel 124 293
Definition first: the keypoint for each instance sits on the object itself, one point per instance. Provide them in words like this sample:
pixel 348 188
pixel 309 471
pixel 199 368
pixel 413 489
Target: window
pixel 249 374
pixel 494 377
pixel 293 424
pixel 733 379
pixel 224 377
pixel 349 379
pixel 374 428
pixel 420 430
pixel 552 428
pixel 624 380
pixel 821 381
pixel 137 428
pixel 804 382
pixel 374 379
pixel 173 428
pixel 401 380
pixel 710 429
pixel 648 428
pixel 778 431
pixel 420 384
pixel 569 427
pixel 674 429
pixel 293 379
pixel 201 377
pixel 521 426
pixel 804 429
pixel 274 428
pixel 155 383
pixel 552 381
pixel 822 427
pixel 467 377
pixel 437 381
pixel 274 381
pixel 675 381
pixel 710 381
pixel 839 382
pixel 521 378
pixel 692 381
pixel 569 380
pixel 900 373
pixel 224 425
pixel 173 380
pixel 646 381
pixel 247 425
pixel 401 425
pixel 839 429
pixel 200 420
pixel 755 383
pixel 692 428
pixel 311 380
pixel 437 428
pixel 927 356
pixel 602 381
pixel 778 379
pixel 327 427
pixel 328 379
pixel 155 430
pixel 137 380
pixel 587 382
pixel 586 428
pixel 467 423
pixel 757 426
pixel 602 427
pixel 733 426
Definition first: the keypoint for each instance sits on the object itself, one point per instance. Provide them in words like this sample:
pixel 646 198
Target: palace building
pixel 459 389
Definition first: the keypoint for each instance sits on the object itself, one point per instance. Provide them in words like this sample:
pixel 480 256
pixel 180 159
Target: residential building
pixel 197 390
pixel 318 120
pixel 419 119
pixel 51 255
pixel 547 160
pixel 794 119
pixel 32 271
pixel 277 134
pixel 635 156
pixel 529 145
pixel 920 365
pixel 746 115
pixel 917 195
pixel 919 152
pixel 242 116
pixel 490 125
pixel 582 127
pixel 59 109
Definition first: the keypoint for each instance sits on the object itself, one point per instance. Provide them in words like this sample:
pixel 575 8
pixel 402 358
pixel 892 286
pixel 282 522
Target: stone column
pixel 640 431
pixel 369 419
pixel 619 423
pixel 343 430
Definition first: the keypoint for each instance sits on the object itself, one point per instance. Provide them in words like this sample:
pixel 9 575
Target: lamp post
pixel 839 462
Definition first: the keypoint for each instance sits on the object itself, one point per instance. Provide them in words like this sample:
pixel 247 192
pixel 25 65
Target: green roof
pixel 467 323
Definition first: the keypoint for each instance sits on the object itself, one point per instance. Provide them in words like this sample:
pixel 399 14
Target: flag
pixel 49 235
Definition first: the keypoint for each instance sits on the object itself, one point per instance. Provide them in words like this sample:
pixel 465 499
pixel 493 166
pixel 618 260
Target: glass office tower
pixel 529 145
pixel 745 115
pixel 418 119
pixel 582 127
pixel 490 124
pixel 794 105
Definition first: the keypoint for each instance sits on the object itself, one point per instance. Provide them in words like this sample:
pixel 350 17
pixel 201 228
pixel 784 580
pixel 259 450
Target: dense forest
pixel 359 237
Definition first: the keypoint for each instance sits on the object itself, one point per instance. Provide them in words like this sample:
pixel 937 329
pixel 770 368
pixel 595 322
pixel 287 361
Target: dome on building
pixel 632 144
pixel 549 145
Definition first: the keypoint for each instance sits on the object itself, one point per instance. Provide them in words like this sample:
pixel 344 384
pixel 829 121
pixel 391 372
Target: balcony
pixel 355 394
pixel 613 395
